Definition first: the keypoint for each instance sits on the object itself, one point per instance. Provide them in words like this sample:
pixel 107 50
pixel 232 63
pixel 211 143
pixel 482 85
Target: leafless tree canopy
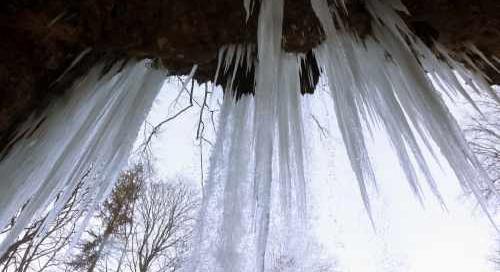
pixel 115 212
pixel 158 238
pixel 144 225
pixel 483 134
pixel 40 245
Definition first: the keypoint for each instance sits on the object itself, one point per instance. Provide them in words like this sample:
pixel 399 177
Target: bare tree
pixel 114 213
pixel 483 134
pixel 40 244
pixel 159 236
pixel 143 226
pixel 206 119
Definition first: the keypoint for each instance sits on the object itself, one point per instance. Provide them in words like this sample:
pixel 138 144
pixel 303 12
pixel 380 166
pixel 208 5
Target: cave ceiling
pixel 41 39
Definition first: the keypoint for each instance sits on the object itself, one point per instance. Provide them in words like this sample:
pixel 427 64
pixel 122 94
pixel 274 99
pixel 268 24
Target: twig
pixel 157 128
pixel 322 129
pixel 200 121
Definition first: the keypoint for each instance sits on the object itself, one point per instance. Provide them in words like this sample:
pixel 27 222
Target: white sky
pixel 408 238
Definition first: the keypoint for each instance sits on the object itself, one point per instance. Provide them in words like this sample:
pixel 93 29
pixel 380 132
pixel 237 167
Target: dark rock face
pixel 40 39
pixel 32 56
pixel 459 21
pixel 454 23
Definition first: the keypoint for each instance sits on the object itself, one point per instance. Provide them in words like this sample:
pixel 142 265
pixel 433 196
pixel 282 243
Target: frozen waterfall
pixel 93 127
pixel 255 195
pixel 254 203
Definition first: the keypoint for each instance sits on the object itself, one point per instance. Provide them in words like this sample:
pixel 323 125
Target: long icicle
pixel 382 80
pixel 93 126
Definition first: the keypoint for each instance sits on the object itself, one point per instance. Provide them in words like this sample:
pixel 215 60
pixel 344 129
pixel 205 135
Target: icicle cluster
pixel 384 80
pixel 88 132
pixel 254 198
pixel 387 80
pixel 235 57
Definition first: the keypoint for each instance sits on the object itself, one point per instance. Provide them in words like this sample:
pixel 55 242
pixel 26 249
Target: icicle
pixel 229 57
pixel 236 218
pixel 401 97
pixel 478 52
pixel 259 150
pixel 206 226
pixel 441 72
pixel 249 56
pixel 219 64
pixel 72 64
pixel 269 33
pixel 237 59
pixel 495 58
pixel 247 4
pixel 230 229
pixel 330 55
pixel 95 123
pixel 399 6
pixel 256 186
pixel 384 81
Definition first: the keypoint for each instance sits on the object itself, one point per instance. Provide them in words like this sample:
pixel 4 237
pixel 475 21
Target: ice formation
pixel 389 81
pixel 92 127
pixel 256 186
pixel 254 203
